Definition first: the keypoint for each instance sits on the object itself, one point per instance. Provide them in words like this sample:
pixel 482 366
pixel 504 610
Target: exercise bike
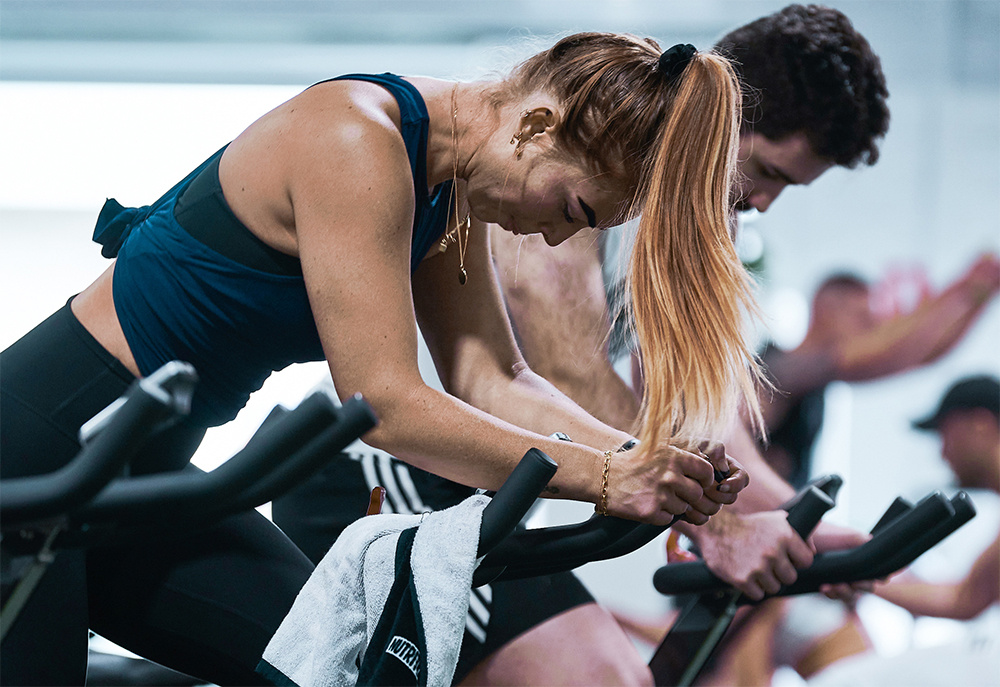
pixel 900 536
pixel 89 502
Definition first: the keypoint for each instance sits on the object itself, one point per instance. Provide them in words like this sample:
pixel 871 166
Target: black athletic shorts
pixel 315 512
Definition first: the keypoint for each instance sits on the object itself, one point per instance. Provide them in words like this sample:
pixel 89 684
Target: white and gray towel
pixel 325 633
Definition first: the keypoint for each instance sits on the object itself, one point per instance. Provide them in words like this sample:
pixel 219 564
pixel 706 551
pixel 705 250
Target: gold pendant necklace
pixel 454 234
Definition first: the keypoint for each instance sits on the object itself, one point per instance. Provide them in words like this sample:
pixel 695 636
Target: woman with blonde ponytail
pixel 340 225
pixel 666 125
pixel 652 133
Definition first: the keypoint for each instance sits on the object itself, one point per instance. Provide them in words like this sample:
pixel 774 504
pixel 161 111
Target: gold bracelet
pixel 602 505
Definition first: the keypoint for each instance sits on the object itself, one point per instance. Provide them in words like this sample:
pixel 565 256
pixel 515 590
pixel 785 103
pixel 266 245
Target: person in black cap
pixel 970 393
pixel 967 421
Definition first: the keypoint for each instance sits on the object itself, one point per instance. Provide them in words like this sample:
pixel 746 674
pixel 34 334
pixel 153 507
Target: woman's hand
pixel 734 477
pixel 655 486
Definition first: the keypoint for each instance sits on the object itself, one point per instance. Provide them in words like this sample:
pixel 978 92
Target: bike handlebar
pixel 893 546
pixel 165 495
pixel 84 494
pixel 902 534
pixel 288 447
pixel 110 440
pixel 548 550
pixel 352 419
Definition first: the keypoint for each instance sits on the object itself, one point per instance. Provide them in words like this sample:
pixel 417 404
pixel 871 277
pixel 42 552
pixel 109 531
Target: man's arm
pixel 923 335
pixel 556 301
pixel 558 307
pixel 962 600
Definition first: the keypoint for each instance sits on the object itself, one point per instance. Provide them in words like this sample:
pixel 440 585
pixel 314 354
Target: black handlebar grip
pixel 353 419
pixel 686 578
pixel 829 485
pixel 896 509
pixel 515 497
pixel 804 513
pixel 808 511
pixel 962 510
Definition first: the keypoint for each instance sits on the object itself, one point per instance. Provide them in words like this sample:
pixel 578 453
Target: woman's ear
pixel 535 121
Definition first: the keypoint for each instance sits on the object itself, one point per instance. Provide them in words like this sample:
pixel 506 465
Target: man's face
pixel 968 440
pixel 767 167
pixel 841 313
pixel 850 312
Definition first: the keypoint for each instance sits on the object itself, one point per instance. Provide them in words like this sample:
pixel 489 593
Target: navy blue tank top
pixel 179 296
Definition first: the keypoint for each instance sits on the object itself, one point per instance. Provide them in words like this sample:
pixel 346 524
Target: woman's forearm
pixel 528 400
pixel 443 435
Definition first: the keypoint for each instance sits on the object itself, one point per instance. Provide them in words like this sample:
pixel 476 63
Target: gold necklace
pixel 454 234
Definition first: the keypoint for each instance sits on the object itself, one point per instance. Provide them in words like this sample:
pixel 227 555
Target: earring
pixel 521 137
pixel 518 140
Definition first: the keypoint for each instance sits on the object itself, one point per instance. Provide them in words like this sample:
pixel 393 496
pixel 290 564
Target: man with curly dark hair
pixel 814 97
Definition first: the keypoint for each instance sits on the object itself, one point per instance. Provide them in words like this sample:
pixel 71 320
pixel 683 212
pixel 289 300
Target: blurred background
pixel 120 98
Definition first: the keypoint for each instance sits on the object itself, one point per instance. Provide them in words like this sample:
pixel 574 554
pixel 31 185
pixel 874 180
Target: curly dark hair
pixel 807 69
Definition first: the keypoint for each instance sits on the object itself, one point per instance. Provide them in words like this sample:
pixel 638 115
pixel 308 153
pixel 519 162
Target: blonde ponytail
pixel 690 293
pixel 674 140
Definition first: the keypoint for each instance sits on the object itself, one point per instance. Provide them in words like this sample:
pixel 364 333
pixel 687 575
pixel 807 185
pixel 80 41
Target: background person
pixel 847 340
pixel 967 422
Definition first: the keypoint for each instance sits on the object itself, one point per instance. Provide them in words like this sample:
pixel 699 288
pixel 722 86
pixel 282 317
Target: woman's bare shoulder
pixel 340 136
pixel 332 118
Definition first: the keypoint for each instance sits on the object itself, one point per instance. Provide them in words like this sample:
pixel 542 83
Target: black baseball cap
pixel 981 391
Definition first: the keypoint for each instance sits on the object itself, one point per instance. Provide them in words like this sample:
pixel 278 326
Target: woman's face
pixel 543 193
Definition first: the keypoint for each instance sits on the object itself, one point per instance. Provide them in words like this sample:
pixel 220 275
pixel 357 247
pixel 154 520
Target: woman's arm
pixel 470 338
pixel 473 345
pixel 338 163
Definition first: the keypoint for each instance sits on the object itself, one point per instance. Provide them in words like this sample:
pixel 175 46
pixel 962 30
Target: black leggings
pixel 204 602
